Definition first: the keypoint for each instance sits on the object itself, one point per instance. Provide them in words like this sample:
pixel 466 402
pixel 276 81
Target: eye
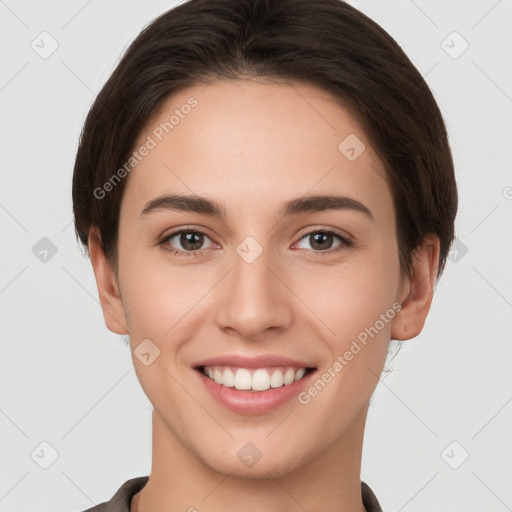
pixel 187 240
pixel 322 240
pixel 191 241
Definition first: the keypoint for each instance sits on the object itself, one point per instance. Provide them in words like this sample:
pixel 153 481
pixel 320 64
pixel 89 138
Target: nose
pixel 253 298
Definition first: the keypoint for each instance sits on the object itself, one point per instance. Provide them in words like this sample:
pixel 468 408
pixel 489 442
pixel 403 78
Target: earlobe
pixel 108 290
pixel 409 322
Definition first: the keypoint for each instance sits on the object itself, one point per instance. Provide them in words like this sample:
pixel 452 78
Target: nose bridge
pixel 252 299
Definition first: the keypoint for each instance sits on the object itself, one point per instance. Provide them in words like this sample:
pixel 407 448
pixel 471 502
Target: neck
pixel 329 481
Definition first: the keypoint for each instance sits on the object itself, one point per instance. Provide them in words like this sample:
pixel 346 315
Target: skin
pixel 251 146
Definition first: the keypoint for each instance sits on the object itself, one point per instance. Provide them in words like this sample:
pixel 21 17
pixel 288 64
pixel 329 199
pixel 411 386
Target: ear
pixel 108 288
pixel 409 322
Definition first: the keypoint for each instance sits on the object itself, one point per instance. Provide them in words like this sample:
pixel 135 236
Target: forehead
pixel 249 143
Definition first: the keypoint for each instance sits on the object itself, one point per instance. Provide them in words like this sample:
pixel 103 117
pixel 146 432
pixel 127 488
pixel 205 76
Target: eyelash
pixel 346 243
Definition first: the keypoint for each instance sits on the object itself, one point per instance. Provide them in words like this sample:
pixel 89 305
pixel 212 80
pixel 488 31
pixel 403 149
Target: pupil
pixel 188 240
pixel 320 238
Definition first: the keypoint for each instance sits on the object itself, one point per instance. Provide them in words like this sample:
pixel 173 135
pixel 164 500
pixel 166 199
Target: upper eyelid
pixel 172 234
pixel 346 240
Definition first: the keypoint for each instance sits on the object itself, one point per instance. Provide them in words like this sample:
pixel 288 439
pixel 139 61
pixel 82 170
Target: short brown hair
pixel 327 44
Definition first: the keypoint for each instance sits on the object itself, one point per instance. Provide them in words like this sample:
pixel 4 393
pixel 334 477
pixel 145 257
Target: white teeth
pixel 242 379
pixel 217 376
pixel 260 379
pixel 300 373
pixel 228 378
pixel 276 380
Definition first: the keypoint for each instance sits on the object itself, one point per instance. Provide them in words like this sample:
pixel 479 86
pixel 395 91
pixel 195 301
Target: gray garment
pixel 122 499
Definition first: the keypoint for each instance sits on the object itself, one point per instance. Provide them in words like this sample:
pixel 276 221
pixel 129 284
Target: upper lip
pixel 263 361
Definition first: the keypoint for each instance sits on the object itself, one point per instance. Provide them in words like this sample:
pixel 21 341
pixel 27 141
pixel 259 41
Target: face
pixel 278 271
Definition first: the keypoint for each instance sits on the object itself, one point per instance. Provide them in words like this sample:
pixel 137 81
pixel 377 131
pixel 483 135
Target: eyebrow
pixel 202 205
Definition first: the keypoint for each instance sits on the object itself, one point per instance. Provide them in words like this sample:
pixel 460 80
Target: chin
pixel 261 466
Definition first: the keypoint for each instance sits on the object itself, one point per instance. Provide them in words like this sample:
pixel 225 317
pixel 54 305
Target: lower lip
pixel 253 402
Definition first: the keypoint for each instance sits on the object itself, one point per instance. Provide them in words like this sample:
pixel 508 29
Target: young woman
pixel 267 195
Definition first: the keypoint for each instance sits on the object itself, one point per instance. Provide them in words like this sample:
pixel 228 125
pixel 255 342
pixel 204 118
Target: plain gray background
pixel 69 397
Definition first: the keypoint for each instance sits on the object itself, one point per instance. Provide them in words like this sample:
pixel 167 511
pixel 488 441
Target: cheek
pixel 157 296
pixel 355 311
pixel 349 297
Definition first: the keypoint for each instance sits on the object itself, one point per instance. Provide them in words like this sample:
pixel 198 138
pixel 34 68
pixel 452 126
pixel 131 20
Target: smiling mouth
pixel 254 379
